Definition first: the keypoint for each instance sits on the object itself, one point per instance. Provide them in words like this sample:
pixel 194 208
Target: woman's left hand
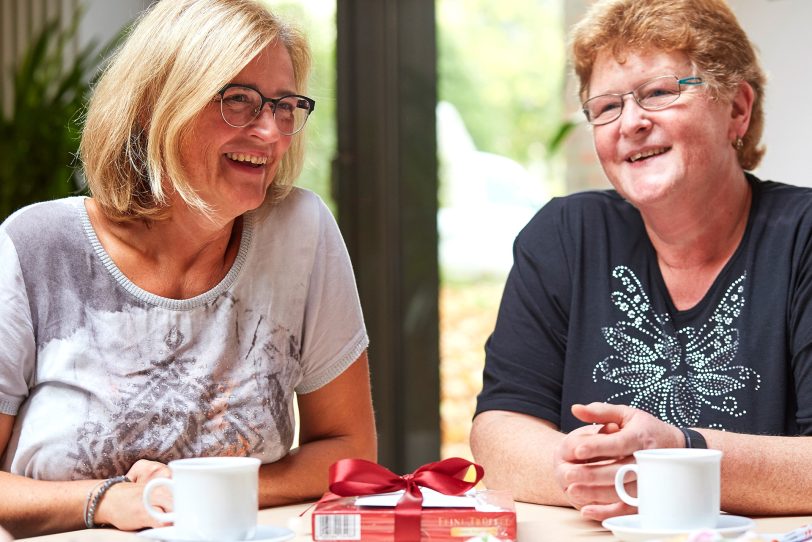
pixel 123 507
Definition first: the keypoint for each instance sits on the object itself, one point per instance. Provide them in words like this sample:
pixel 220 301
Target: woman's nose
pixel 264 124
pixel 633 118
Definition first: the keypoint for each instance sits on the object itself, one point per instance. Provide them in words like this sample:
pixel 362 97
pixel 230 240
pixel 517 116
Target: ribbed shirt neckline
pixel 165 302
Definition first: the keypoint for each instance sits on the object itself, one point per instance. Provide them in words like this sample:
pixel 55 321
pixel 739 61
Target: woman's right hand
pixel 145 470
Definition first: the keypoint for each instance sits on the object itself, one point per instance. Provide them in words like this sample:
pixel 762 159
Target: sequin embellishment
pixel 675 373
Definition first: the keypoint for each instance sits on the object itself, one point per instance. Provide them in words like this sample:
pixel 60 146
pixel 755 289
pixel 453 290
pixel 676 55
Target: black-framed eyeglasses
pixel 654 94
pixel 241 104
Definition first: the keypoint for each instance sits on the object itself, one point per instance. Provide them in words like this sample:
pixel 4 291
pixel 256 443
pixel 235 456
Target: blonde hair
pixel 705 30
pixel 178 55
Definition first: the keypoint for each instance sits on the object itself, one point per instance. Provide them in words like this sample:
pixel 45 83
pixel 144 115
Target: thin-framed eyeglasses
pixel 241 104
pixel 653 95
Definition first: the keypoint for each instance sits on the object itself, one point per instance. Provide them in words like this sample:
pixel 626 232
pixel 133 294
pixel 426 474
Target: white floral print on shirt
pixel 675 373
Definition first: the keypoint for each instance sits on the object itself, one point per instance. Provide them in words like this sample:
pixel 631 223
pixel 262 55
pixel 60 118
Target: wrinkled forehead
pixel 621 70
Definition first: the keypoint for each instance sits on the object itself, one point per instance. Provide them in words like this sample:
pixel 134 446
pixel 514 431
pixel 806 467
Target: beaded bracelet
pixel 87 501
pixel 93 502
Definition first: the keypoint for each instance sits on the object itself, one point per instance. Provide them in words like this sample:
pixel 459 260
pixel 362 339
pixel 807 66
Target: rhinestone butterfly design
pixel 672 373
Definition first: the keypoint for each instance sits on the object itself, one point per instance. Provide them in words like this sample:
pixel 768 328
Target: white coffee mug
pixel 677 488
pixel 214 498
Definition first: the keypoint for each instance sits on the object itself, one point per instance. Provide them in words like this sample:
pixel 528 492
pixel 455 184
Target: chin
pixel 252 205
pixel 251 197
pixel 648 192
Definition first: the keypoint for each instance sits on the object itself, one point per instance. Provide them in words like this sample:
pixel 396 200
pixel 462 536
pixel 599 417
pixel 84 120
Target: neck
pixel 694 241
pixel 698 233
pixel 179 257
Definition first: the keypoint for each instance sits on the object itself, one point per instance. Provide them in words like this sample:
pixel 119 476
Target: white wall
pixel 104 18
pixel 782 31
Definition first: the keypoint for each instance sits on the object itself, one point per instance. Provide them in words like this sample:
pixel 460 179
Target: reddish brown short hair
pixel 707 31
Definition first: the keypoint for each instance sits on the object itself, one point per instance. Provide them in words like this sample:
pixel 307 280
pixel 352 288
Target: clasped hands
pixel 587 459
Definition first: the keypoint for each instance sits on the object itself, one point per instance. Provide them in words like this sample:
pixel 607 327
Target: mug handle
pixel 619 486
pixel 165 517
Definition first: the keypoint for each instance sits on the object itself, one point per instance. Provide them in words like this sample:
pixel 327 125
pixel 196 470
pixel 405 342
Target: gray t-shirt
pixel 101 373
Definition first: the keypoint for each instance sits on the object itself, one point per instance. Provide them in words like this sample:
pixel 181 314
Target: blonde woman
pixel 182 308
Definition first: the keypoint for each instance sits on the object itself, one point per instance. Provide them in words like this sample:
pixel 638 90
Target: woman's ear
pixel 741 110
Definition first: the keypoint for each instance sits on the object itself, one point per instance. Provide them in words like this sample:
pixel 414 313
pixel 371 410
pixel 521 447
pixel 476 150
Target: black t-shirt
pixel 586 316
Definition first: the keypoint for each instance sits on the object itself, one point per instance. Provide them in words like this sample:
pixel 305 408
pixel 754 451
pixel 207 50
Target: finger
pixel 604 413
pixel 591 429
pixel 598 447
pixel 600 512
pixel 609 428
pixel 164 498
pixel 581 495
pixel 615 446
pixel 161 471
pixel 566 448
pixel 598 473
pixel 144 470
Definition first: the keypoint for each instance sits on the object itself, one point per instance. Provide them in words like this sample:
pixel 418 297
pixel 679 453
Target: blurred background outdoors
pixel 509 135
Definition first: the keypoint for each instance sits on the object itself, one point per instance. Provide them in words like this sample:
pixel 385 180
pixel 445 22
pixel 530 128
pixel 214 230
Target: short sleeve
pixel 334 333
pixel 17 354
pixel 800 324
pixel 524 357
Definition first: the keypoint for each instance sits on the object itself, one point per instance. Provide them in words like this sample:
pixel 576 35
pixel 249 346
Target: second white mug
pixel 677 488
pixel 214 498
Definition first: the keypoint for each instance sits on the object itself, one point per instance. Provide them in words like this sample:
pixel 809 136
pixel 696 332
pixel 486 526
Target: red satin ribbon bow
pixel 350 477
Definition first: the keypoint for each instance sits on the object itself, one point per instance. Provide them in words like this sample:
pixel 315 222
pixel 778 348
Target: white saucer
pixel 264 533
pixel 627 528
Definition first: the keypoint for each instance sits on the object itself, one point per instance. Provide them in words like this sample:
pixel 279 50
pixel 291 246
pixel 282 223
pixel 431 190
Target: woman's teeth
pixel 646 154
pixel 240 157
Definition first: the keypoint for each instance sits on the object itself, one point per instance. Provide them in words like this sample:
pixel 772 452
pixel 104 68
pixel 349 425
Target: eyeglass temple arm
pixel 691 81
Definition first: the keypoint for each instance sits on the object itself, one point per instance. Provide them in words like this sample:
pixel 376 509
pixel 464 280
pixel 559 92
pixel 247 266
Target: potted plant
pixel 39 135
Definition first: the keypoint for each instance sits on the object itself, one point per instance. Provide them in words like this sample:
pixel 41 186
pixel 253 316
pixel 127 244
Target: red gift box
pixel 338 516
pixel 340 520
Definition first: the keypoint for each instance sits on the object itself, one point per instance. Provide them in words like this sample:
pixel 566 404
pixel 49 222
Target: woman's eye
pixel 656 92
pixel 607 107
pixel 237 98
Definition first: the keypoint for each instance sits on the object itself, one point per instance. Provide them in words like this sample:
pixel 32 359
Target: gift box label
pixel 337 527
pixel 342 519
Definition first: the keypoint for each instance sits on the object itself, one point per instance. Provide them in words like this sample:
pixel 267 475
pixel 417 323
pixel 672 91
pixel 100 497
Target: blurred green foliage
pixel 502 65
pixel 316 18
pixel 39 134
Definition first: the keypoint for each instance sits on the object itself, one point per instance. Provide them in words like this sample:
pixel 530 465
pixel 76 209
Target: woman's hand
pixel 145 470
pixel 589 485
pixel 588 458
pixel 122 506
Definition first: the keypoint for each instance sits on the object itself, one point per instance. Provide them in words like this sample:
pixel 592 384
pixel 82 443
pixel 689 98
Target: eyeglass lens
pixel 651 95
pixel 241 105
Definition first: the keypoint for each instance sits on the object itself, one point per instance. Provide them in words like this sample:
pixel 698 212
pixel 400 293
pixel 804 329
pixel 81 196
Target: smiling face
pixel 678 154
pixel 232 168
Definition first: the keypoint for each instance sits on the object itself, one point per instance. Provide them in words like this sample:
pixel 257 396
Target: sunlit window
pixel 501 84
pixel 316 18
